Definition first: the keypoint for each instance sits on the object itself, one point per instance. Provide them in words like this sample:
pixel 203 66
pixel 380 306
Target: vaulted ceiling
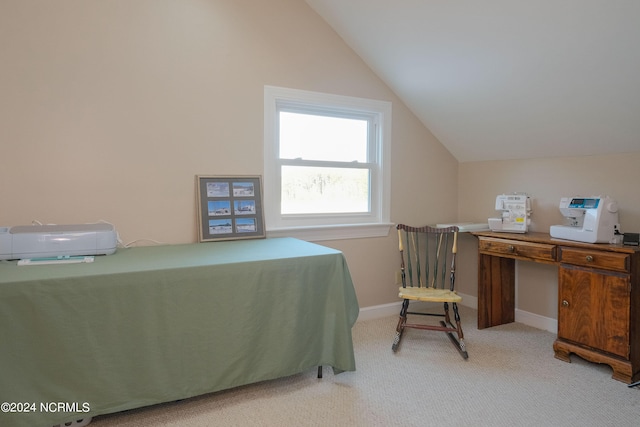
pixel 504 79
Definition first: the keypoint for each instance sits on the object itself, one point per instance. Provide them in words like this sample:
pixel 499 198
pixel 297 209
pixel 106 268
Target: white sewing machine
pixel 589 219
pixel 516 213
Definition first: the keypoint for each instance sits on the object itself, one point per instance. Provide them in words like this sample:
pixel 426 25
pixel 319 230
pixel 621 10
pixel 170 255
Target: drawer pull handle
pixel 511 249
pixel 589 258
pixel 565 303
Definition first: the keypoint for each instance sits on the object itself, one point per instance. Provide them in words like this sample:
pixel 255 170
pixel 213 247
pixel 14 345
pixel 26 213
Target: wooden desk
pixel 598 295
pixel 156 324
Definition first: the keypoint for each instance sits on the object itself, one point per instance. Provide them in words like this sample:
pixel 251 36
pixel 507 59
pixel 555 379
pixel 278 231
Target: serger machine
pixel 516 213
pixel 589 220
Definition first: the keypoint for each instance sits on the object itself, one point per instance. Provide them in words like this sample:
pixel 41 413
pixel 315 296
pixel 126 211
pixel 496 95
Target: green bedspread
pixel 156 324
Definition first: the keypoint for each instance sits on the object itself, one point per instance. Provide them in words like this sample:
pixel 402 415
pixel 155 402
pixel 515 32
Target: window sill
pixel 333 232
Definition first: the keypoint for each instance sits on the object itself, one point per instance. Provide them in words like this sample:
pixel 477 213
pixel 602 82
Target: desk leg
pixel 496 290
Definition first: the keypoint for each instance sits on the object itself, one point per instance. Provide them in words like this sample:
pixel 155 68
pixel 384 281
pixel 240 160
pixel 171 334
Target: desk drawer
pixel 517 249
pixel 596 259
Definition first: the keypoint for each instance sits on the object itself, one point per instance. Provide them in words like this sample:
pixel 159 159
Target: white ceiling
pixel 506 79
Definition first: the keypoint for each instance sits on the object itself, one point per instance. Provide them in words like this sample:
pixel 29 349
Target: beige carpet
pixel 510 379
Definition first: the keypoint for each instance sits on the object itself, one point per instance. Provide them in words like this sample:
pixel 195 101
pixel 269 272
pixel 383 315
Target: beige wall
pixel 110 108
pixel 546 181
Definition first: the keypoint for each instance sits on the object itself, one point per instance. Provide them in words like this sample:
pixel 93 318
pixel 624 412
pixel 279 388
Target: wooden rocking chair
pixel 428 265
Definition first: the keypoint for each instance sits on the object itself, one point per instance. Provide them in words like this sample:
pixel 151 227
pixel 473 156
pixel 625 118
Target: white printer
pixel 589 219
pixel 38 241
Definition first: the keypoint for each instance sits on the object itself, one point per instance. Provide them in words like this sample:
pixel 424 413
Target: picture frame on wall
pixel 229 207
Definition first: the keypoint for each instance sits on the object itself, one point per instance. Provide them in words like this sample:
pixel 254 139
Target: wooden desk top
pixel 535 237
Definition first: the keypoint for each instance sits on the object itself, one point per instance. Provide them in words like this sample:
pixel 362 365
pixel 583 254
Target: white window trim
pixel 379 223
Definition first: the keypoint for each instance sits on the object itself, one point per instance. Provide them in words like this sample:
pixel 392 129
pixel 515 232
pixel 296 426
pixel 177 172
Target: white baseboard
pixel 537 321
pixel 524 317
pixel 384 310
pixel 378 311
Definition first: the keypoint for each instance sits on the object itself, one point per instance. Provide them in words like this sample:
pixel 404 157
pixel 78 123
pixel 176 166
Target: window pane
pixel 313 137
pixel 307 190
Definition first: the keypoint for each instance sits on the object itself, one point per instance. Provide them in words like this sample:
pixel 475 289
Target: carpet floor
pixel 510 379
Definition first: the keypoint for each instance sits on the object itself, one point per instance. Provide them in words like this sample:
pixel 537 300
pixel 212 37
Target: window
pixel 326 169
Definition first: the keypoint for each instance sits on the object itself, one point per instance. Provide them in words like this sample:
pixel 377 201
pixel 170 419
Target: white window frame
pixel 327 226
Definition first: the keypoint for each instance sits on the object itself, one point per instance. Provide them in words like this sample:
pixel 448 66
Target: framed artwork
pixel 229 207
